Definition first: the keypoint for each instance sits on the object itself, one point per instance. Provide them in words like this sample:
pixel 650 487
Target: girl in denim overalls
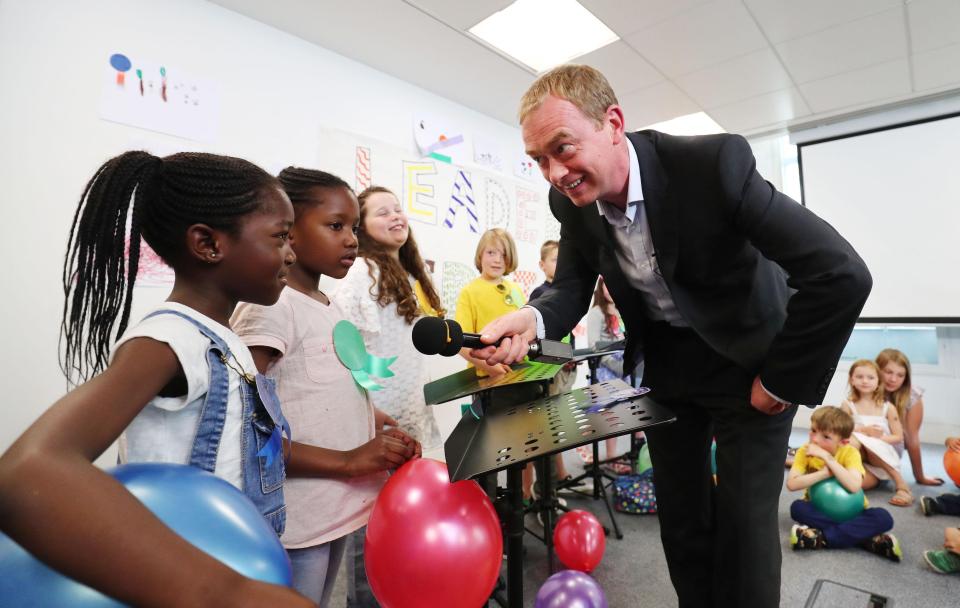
pixel 180 386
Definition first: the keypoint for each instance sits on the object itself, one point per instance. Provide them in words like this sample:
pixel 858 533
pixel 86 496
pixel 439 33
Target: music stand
pixel 508 428
pixel 592 357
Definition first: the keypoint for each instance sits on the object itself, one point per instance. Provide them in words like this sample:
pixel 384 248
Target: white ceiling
pixel 752 65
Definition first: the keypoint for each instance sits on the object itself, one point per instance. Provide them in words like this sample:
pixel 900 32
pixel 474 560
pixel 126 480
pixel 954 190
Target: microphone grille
pixel 429 335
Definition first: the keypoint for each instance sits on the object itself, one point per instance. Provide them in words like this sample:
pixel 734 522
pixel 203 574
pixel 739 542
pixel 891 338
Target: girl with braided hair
pixel 176 387
pixel 295 342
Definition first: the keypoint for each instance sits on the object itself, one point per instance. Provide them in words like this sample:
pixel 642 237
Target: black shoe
pixel 885 545
pixel 929 506
pixel 802 537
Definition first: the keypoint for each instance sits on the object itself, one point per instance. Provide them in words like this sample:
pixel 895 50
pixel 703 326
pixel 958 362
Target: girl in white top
pixel 898 388
pixel 877 432
pixel 292 341
pixel 384 293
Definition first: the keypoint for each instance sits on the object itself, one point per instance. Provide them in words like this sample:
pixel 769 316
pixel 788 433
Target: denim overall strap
pixel 213 414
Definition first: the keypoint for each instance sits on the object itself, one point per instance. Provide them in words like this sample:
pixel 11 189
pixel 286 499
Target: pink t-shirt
pixel 324 406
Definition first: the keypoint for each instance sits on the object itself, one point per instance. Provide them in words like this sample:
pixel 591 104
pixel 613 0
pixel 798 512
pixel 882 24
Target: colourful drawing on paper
pixel 551 227
pixel 498 207
pixel 462 197
pixel 418 196
pixel 122 65
pixel 524 168
pixel 455 276
pixel 528 216
pixel 152 271
pixel 527 280
pixel 163 100
pixel 487 153
pixel 362 173
pixel 436 141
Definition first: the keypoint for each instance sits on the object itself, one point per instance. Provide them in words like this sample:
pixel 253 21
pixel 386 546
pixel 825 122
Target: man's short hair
pixel 547 247
pixel 830 419
pixel 581 85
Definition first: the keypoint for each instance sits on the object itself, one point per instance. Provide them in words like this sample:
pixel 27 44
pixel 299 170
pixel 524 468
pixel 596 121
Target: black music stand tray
pixel 511 422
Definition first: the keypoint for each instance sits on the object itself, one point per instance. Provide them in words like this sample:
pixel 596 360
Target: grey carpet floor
pixel 633 573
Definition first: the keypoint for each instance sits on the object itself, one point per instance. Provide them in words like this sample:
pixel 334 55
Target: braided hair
pixel 393 284
pixel 132 195
pixel 298 182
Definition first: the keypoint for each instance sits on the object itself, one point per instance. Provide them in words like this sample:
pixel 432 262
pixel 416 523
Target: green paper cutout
pixel 350 349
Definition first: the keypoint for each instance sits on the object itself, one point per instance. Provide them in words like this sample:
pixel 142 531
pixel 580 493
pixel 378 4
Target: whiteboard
pixel 895 195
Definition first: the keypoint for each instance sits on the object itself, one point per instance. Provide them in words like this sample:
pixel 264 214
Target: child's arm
pixel 952 443
pixel 387 450
pixel 53 499
pixel 896 429
pixel 801 481
pixel 850 479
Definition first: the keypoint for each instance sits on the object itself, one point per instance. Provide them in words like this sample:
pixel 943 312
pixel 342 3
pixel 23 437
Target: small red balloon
pixel 579 541
pixel 431 543
pixel 951 462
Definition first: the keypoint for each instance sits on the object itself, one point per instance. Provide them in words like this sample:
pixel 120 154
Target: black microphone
pixel 432 336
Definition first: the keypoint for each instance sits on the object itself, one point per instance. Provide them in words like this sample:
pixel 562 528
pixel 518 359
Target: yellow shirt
pixel 847 456
pixel 481 302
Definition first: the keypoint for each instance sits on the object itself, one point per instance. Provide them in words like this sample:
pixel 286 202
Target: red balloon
pixel 951 462
pixel 431 543
pixel 579 541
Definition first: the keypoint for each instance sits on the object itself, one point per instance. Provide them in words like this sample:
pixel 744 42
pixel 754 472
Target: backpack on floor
pixel 635 493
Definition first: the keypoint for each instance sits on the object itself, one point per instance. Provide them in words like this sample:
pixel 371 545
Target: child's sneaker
pixel 885 545
pixel 943 561
pixel 929 506
pixel 803 537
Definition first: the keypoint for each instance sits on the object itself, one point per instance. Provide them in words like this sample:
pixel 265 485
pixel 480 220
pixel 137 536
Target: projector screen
pixel 895 194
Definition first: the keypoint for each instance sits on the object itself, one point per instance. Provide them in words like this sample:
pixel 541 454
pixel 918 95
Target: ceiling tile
pixel 741 78
pixel 856 88
pixel 698 38
pixel 858 44
pixel 461 15
pixel 624 68
pixel 655 104
pixel 768 110
pixel 933 24
pixel 936 69
pixel 641 13
pixel 783 20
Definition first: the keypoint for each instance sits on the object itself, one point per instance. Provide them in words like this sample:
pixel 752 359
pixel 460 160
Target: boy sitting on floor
pixel 827 455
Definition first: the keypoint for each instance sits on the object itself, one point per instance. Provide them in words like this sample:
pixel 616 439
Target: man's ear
pixel 614 117
pixel 204 244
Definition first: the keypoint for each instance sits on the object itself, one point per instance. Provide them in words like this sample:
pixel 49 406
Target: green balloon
pixel 834 501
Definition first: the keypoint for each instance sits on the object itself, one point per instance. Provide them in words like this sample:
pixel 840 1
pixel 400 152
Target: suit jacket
pixel 761 279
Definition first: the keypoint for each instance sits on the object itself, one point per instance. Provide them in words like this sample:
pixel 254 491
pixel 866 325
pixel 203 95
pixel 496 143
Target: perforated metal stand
pixel 505 432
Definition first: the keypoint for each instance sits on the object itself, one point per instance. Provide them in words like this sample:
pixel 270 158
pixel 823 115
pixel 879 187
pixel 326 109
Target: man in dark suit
pixel 738 299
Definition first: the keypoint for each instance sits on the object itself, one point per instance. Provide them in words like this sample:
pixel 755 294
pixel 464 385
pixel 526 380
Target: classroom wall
pixel 276 94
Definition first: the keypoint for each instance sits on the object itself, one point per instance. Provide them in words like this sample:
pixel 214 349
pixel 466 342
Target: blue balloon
pixel 204 509
pixel 570 589
pixel 834 501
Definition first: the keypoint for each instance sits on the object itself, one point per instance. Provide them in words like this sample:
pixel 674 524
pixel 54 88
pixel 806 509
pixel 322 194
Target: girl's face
pixel 893 376
pixel 864 380
pixel 493 261
pixel 385 221
pixel 255 261
pixel 324 235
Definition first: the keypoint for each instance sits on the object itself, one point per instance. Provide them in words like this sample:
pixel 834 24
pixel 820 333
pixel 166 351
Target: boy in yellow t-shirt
pixel 827 455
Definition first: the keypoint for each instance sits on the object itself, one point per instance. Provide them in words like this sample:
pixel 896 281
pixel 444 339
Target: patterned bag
pixel 635 493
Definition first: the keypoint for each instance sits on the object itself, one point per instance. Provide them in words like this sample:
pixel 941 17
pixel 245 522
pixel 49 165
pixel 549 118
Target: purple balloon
pixel 570 589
